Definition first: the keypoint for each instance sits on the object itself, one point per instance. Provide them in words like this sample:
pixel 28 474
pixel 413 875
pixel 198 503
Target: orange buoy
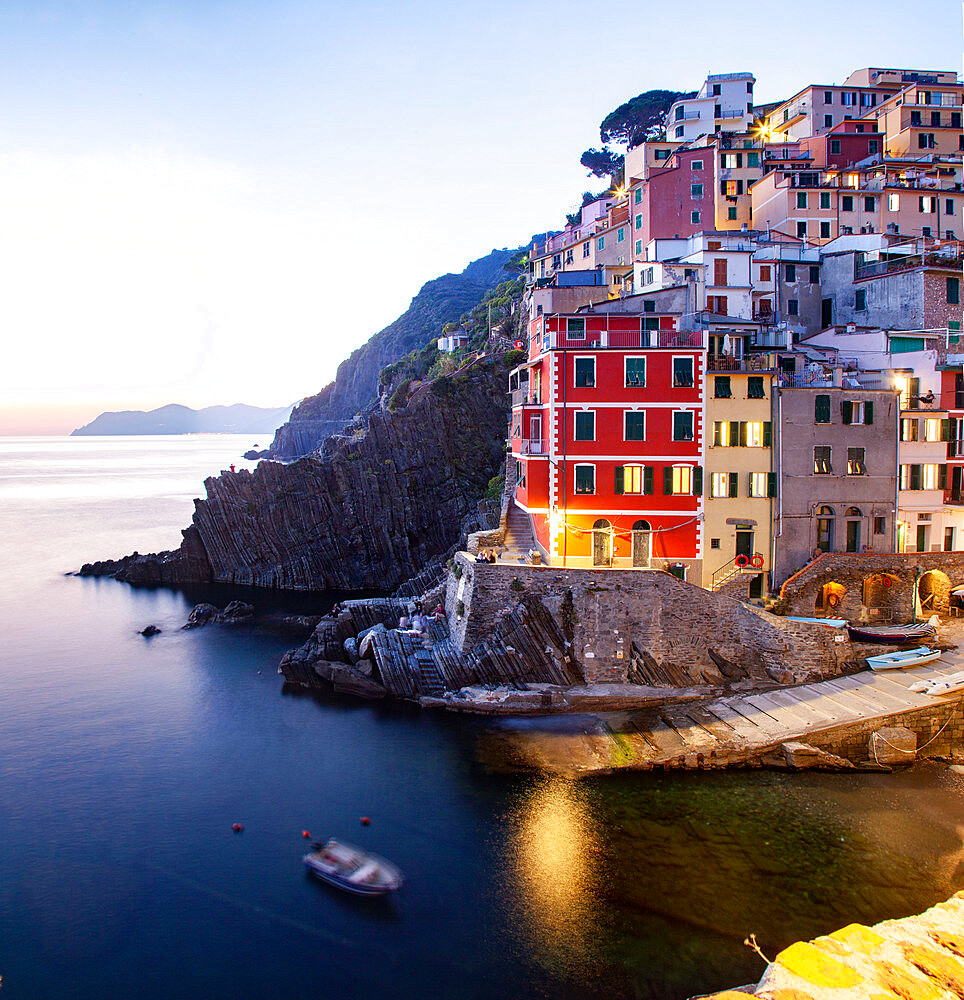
pixel 306 834
pixel 237 827
pixel 365 821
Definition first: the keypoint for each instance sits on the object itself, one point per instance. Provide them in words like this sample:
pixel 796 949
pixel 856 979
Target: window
pixel 801 199
pixel 932 477
pixel 925 140
pixel 935 119
pixel 754 387
pixel 908 429
pixel 879 525
pixel 758 484
pixel 828 97
pixel 679 131
pixel 585 372
pixel 928 205
pixel 915 118
pixel 893 202
pixel 714 543
pixel 635 426
pixel 639 247
pixel 925 231
pixel 847 203
pixel 633 479
pixel 793 307
pixel 953 291
pixel 620 235
pixel 731 214
pixel 696 190
pixel 752 433
pixel 790 272
pixel 825 199
pixel 860 299
pixel 855 462
pixel 575 329
pixel 682 372
pixel 955 119
pixel 662 154
pixel 719 485
pixel 814 275
pixel 639 222
pixel 649 305
pixel 721 387
pixel 932 430
pixel 869 202
pixel 717 89
pixel 586 248
pixel 585 425
pixel 696 164
pixel 557 261
pixel 753 158
pixel 873 146
pixel 638 196
pixel 834 145
pixel 601 243
pixel 821 409
pixel 948 206
pixel 682 480
pixel 585 479
pixel 725 432
pixel 821 461
pixel 683 425
pixel 801 230
pixel 828 123
pixel 695 218
pixel 569 256
pixel 764 272
pixel 635 372
pixel 825 230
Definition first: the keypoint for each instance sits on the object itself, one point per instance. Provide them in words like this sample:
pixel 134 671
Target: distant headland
pixel 175 419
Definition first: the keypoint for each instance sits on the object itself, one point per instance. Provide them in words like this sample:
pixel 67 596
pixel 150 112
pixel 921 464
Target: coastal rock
pixel 346 680
pixel 150 630
pixel 367 518
pixel 236 611
pixel 204 614
pixel 201 614
pixel 893 745
pixel 803 757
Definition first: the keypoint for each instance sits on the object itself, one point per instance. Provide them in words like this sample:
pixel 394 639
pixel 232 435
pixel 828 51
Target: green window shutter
pixel 945 430
pixel 942 477
pixel 821 409
pixel 771 484
pixel 648 480
pixel 698 480
pixel 915 471
pixel 734 490
pixel 749 484
pixel 868 412
pixel 668 480
pixel 846 411
pixel 619 479
pixel 767 434
pixel 742 433
pixel 734 433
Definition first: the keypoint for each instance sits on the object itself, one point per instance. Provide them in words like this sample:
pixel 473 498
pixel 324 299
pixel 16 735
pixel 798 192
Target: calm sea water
pixel 124 762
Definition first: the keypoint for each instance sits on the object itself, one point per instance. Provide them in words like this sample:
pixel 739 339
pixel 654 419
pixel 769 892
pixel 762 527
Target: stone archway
pixel 933 594
pixel 879 595
pixel 830 598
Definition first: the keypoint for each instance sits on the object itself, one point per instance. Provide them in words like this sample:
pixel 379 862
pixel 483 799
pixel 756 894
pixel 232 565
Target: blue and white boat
pixel 353 869
pixel 828 622
pixel 903 658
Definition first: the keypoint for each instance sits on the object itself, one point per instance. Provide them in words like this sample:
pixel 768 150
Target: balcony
pixel 532 446
pixel 806 380
pixel 523 397
pixel 632 339
pixel 730 113
pixel 749 363
pixel 686 116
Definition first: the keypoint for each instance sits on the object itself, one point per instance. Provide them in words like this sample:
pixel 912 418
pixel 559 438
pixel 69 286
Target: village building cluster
pixel 750 353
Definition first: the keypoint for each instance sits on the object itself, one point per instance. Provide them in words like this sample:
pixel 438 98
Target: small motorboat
pixel 946 685
pixel 894 634
pixel 903 658
pixel 828 622
pixel 353 869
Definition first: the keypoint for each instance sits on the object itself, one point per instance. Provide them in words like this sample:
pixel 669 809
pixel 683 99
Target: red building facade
pixel 607 435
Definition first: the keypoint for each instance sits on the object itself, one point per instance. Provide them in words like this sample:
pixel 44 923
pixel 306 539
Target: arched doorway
pixel 933 594
pixel 642 544
pixel 825 520
pixel 854 516
pixel 879 595
pixel 830 597
pixel 602 543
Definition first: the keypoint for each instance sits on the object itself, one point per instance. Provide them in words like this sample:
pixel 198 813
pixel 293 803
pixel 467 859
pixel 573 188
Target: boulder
pixel 200 615
pixel 236 611
pixel 150 630
pixel 893 745
pixel 350 645
pixel 802 757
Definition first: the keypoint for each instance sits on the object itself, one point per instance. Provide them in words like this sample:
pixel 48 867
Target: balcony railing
pixel 532 446
pixel 686 116
pixel 633 339
pixel 806 380
pixel 749 363
pixel 523 397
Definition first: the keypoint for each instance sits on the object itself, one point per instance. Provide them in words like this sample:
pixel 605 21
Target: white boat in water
pixel 946 685
pixel 353 869
pixel 903 658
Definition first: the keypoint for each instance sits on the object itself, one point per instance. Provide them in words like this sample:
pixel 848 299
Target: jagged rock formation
pixel 355 387
pixel 368 515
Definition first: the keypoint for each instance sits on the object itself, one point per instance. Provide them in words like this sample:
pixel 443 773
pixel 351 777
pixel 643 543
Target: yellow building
pixel 740 476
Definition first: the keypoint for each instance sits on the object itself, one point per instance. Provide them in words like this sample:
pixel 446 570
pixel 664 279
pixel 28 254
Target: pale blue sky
pixel 213 202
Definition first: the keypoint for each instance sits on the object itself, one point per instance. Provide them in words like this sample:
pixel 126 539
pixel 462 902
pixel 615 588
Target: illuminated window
pixel 682 479
pixel 855 462
pixel 719 485
pixel 754 434
pixel 932 429
pixel 758 484
pixel 721 433
pixel 931 474
pixel 632 479
pixel 821 461
pixel 585 479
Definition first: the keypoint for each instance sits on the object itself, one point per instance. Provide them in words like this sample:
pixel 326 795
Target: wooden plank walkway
pixel 736 727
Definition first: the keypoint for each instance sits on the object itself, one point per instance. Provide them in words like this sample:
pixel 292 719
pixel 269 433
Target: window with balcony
pixel 821 461
pixel 585 373
pixel 635 372
pixel 683 425
pixel 683 372
pixel 915 119
pixel 855 462
pixel 936 429
pixel 635 425
pixel 585 425
pixel 585 478
pixel 721 387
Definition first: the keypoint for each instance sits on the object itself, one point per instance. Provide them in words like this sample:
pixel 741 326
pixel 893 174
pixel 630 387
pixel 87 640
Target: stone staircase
pixel 519 538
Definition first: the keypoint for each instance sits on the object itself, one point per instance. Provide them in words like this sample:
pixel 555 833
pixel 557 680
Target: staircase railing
pixel 732 568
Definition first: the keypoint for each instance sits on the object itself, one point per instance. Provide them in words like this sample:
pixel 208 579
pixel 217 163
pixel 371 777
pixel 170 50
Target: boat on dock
pixel 828 622
pixel 893 634
pixel 938 686
pixel 902 659
pixel 353 869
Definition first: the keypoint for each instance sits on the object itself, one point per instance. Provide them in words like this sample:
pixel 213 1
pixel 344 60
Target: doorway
pixel 744 544
pixel 642 541
pixel 602 543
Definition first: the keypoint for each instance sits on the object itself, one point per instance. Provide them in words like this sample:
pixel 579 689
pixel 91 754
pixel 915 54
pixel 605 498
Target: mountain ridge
pixel 175 418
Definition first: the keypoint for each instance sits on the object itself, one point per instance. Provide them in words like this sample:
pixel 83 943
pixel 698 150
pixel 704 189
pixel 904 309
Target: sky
pixel 206 202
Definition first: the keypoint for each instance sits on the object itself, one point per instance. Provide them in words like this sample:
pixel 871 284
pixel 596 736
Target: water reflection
pixel 556 854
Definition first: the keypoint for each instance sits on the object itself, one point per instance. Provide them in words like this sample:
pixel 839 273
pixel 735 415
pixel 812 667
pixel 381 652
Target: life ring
pixel 887 582
pixel 757 561
pixel 742 561
pixel 833 600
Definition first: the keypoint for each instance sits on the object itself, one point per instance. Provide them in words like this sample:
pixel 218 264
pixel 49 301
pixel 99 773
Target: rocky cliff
pixel 355 387
pixel 368 515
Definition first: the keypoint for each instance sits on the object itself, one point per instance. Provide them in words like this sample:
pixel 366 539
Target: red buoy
pixel 365 821
pixel 306 834
pixel 237 827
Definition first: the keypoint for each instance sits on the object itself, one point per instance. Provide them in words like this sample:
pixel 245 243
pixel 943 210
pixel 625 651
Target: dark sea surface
pixel 124 761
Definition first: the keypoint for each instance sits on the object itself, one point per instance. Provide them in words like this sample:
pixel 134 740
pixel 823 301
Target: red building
pixel 607 435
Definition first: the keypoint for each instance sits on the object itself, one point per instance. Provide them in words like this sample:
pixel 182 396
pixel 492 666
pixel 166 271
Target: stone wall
pixel 674 627
pixel 866 597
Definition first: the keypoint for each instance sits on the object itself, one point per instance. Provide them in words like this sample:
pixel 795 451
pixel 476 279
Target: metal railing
pixel 523 397
pixel 805 380
pixel 732 568
pixel 627 338
pixel 749 363
pixel 532 446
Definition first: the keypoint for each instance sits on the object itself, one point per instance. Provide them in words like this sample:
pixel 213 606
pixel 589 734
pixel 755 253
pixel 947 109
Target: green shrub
pixel 400 396
pixel 514 357
pixel 494 489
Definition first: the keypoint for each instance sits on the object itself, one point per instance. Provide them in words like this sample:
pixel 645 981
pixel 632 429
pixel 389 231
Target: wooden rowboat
pixel 903 658
pixel 892 634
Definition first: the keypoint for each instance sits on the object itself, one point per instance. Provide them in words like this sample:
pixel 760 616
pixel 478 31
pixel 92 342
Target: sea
pixel 124 762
